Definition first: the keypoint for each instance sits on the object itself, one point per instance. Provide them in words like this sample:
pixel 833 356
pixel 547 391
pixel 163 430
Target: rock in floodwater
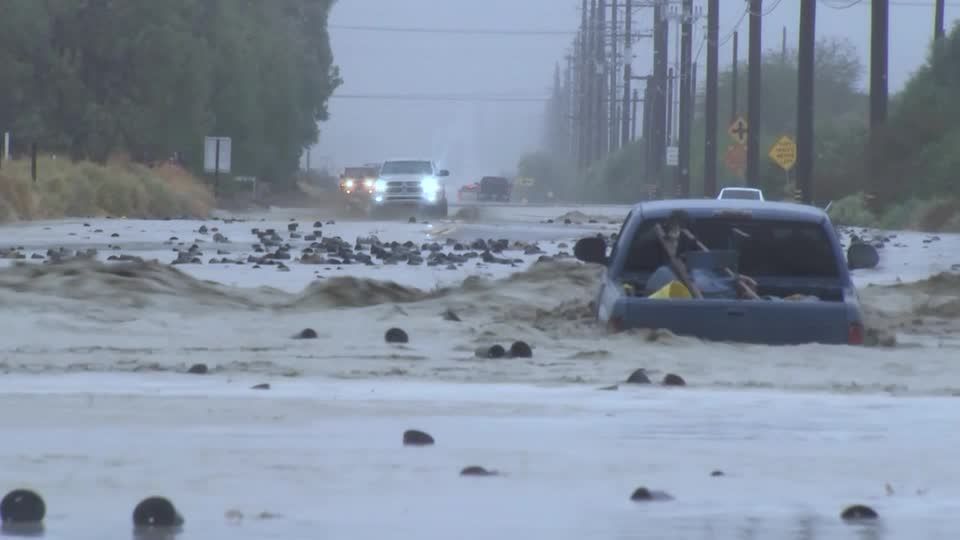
pixel 859 512
pixel 494 351
pixel 717 473
pixel 642 494
pixel 22 506
pixel 520 349
pixel 198 369
pixel 306 333
pixel 414 437
pixel 156 512
pixel 638 377
pixel 261 386
pixel 672 379
pixel 476 470
pixel 396 335
pixel 450 315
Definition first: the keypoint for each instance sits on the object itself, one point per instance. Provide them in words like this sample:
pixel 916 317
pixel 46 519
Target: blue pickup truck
pixel 803 292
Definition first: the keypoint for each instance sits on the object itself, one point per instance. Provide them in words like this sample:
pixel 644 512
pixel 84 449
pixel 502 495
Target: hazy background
pixel 474 137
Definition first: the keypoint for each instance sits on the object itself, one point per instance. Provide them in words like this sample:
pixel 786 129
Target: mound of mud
pixel 355 292
pixel 150 284
pixel 127 283
pixel 929 307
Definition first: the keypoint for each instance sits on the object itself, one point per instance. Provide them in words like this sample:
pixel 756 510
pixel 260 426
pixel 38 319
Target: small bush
pixel 120 188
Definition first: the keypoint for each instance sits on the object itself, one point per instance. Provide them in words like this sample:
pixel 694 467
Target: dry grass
pixel 119 188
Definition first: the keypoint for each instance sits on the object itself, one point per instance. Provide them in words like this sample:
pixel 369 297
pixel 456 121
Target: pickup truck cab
pixel 790 250
pixel 410 183
pixel 750 194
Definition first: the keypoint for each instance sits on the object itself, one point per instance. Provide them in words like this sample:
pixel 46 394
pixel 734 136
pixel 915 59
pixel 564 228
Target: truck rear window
pixel 772 249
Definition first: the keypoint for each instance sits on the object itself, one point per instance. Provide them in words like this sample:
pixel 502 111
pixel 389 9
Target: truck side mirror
pixel 591 250
pixel 443 172
pixel 861 255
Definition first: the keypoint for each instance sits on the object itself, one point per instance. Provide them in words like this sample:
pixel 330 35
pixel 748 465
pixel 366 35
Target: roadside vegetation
pixel 88 80
pixel 904 178
pixel 118 188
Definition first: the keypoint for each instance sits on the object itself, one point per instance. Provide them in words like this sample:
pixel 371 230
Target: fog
pixel 441 96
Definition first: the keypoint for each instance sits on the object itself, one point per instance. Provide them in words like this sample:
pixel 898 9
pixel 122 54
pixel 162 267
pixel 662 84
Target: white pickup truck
pixel 741 193
pixel 415 184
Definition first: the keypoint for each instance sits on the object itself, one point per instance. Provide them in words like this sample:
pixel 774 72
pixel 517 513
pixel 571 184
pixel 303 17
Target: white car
pixel 417 184
pixel 749 194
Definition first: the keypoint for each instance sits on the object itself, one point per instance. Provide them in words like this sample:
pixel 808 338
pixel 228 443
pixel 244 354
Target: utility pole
pixel 588 79
pixel 805 99
pixel 633 117
pixel 685 116
pixel 658 127
pixel 627 73
pixel 569 112
pixel 735 104
pixel 579 109
pixel 713 69
pixel 601 115
pixel 670 93
pixel 938 29
pixel 783 46
pixel 878 62
pixel 754 98
pixel 614 124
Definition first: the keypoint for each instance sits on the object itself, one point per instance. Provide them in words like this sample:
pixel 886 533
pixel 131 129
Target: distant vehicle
pixel 749 194
pixel 357 184
pixel 494 188
pixel 772 273
pixel 413 184
pixel 469 192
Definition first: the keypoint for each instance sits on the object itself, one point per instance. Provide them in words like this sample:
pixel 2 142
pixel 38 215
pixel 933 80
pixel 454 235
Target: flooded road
pixel 103 412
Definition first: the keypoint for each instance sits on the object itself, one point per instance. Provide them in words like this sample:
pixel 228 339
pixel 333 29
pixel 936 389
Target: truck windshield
pixel 740 194
pixel 773 248
pixel 359 172
pixel 406 167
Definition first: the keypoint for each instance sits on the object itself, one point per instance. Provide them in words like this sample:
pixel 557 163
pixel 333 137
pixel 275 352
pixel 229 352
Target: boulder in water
pixel 475 470
pixel 396 335
pixel 414 437
pixel 306 333
pixel 198 369
pixel 642 494
pixel 156 512
pixel 494 351
pixel 638 377
pixel 672 379
pixel 22 506
pixel 859 512
pixel 521 349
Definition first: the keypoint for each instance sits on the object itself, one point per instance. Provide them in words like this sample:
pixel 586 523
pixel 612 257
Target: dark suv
pixel 494 188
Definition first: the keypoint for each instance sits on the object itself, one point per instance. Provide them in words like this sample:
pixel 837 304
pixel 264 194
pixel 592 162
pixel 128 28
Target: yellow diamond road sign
pixel 784 153
pixel 738 130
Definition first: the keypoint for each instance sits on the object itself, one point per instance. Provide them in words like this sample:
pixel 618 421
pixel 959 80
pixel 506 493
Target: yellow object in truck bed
pixel 674 289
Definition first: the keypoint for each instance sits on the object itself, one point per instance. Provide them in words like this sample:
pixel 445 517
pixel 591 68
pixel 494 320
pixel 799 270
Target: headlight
pixel 380 185
pixel 430 185
pixel 349 183
pixel 368 183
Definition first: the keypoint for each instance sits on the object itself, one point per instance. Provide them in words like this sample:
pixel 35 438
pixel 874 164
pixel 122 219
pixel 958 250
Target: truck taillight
pixel 855 334
pixel 615 324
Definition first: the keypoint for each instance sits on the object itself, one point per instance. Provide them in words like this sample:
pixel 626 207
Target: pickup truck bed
pixel 790 250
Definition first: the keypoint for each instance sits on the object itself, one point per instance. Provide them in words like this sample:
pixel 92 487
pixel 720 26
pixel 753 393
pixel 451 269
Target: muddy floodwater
pixel 282 438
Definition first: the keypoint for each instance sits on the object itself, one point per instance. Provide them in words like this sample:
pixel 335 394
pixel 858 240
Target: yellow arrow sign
pixel 784 153
pixel 738 130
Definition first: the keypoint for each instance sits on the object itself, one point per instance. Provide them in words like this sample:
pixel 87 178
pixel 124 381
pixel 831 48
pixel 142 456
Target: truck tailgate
pixel 747 321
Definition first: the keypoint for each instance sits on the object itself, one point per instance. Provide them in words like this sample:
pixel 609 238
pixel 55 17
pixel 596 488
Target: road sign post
pixel 784 153
pixel 217 158
pixel 739 130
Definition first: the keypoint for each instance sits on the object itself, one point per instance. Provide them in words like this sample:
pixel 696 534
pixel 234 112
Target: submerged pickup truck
pixel 803 289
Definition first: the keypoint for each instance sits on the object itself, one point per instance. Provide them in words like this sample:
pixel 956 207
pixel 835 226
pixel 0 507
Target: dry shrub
pixel 119 188
pixel 939 216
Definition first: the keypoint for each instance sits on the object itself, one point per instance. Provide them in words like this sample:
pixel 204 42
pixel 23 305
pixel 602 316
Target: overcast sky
pixel 473 138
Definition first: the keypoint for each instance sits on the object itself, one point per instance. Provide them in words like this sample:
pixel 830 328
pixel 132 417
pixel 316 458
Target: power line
pixel 456 31
pixel 478 98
